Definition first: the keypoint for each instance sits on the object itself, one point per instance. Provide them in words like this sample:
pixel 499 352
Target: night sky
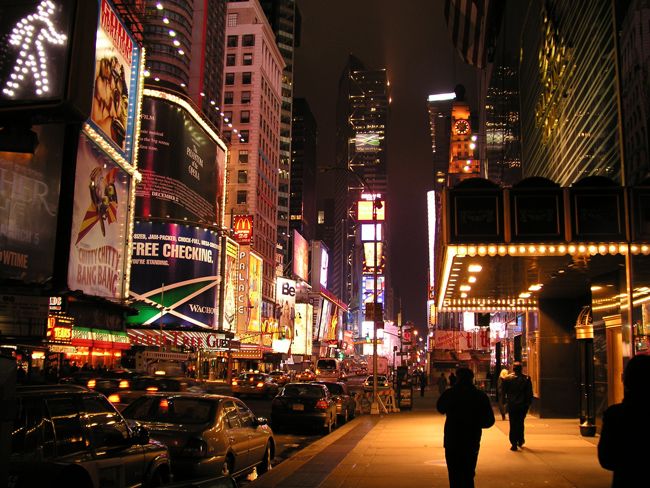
pixel 411 40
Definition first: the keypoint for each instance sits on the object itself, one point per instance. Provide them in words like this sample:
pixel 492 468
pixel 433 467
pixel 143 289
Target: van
pixel 330 369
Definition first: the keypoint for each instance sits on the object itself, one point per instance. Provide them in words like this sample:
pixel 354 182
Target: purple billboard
pixel 174 275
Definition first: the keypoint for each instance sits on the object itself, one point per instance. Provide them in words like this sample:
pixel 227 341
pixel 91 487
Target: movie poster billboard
pixel 300 256
pixel 255 292
pixel 115 96
pixel 29 205
pixel 182 165
pixel 324 320
pixel 99 223
pixel 230 284
pixel 285 296
pixel 174 275
pixel 319 265
pixel 303 325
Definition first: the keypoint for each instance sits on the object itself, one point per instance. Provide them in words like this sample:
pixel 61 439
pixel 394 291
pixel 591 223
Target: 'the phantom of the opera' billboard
pixel 115 97
pixel 98 224
pixel 182 165
pixel 230 280
pixel 29 205
pixel 174 275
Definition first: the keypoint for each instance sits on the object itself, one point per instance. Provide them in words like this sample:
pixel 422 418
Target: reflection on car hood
pixel 161 429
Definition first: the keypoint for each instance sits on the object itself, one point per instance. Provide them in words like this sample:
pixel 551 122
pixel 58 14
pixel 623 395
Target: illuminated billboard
pixel 230 289
pixel 285 297
pixel 319 265
pixel 369 255
pixel 300 256
pixel 368 289
pixel 116 92
pixel 366 142
pixel 368 232
pixel 174 275
pixel 365 210
pixel 30 205
pixel 303 326
pixel 100 214
pixel 182 164
pixel 242 228
pixel 255 291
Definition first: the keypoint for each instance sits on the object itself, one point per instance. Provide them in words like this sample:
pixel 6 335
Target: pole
pixel 162 312
pixel 374 407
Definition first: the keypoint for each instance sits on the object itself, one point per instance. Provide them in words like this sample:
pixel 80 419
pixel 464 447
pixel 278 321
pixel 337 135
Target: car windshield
pixel 334 388
pixel 172 410
pixel 251 377
pixel 305 391
pixel 326 364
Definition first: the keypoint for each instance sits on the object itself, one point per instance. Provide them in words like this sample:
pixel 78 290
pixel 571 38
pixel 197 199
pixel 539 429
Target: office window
pixel 243 157
pixel 247 59
pixel 242 176
pixel 244 135
pixel 241 196
pixel 230 79
pixel 246 78
pixel 245 116
pixel 232 20
pixel 248 40
pixel 232 41
pixel 231 60
pixel 245 97
pixel 227 98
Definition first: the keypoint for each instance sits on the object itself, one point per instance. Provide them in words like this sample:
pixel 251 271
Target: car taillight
pixel 91 384
pixel 124 384
pixel 152 388
pixel 318 371
pixel 114 398
pixel 321 404
pixel 260 385
pixel 195 448
pixel 234 382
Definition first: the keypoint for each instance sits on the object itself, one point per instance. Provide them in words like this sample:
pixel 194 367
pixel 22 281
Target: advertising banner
pixel 182 166
pixel 285 295
pixel 29 204
pixel 300 256
pixel 230 280
pixel 99 221
pixel 255 292
pixel 242 228
pixel 478 339
pixel 174 275
pixel 303 326
pixel 115 97
pixel 319 265
pixel 324 319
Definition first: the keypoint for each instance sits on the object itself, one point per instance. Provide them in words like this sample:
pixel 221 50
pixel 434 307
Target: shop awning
pixel 100 338
pixel 181 338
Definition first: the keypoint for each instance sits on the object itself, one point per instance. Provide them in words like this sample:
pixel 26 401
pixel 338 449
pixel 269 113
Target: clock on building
pixel 461 127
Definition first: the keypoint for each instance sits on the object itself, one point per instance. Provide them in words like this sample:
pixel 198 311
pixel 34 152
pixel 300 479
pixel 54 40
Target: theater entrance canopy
pixel 505 249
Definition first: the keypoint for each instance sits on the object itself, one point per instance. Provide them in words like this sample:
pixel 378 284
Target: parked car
pixel 66 435
pixel 280 377
pixel 345 403
pixel 207 435
pixel 306 375
pixel 257 384
pixel 382 382
pixel 305 404
pixel 144 385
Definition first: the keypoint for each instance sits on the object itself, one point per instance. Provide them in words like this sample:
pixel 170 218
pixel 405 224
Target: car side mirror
pixel 140 435
pixel 261 421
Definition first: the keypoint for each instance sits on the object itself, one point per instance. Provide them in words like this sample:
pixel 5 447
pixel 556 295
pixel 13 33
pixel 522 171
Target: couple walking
pixel 468 411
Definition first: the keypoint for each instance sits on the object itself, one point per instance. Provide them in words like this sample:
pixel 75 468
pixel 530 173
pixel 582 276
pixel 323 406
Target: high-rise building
pixel 303 171
pixel 439 108
pixel 252 104
pixel 634 58
pixel 184 42
pixel 362 116
pixel 285 20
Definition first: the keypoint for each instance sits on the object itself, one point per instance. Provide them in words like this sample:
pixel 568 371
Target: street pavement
pixel 404 449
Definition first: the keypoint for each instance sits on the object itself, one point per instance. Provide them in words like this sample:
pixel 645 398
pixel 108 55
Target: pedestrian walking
pixel 468 411
pixel 518 393
pixel 423 382
pixel 624 437
pixel 452 379
pixel 501 401
pixel 442 383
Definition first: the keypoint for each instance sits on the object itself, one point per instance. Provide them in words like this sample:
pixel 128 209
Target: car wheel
pixel 158 478
pixel 345 416
pixel 265 465
pixel 228 464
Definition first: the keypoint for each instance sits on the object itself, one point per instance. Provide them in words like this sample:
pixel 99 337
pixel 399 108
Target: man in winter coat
pixel 468 410
pixel 518 393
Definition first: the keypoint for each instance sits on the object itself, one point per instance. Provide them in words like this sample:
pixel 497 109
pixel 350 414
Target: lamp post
pixel 376 205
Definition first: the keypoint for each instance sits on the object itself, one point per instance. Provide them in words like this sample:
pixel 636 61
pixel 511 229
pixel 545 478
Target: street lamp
pixel 376 205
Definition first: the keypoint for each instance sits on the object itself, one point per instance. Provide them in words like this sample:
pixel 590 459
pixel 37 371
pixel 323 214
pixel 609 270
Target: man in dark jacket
pixel 468 410
pixel 518 394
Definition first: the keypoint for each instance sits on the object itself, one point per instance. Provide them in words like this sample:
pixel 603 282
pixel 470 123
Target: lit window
pixel 247 59
pixel 232 20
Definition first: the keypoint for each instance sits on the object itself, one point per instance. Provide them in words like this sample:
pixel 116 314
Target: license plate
pixel 298 406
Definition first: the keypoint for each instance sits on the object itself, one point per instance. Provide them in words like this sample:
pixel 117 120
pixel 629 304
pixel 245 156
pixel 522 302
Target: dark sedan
pixel 345 403
pixel 145 385
pixel 304 404
pixel 207 435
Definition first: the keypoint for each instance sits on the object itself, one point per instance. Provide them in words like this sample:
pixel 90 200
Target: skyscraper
pixel 252 104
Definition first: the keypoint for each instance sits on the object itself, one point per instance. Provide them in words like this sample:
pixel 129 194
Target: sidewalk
pixel 405 449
